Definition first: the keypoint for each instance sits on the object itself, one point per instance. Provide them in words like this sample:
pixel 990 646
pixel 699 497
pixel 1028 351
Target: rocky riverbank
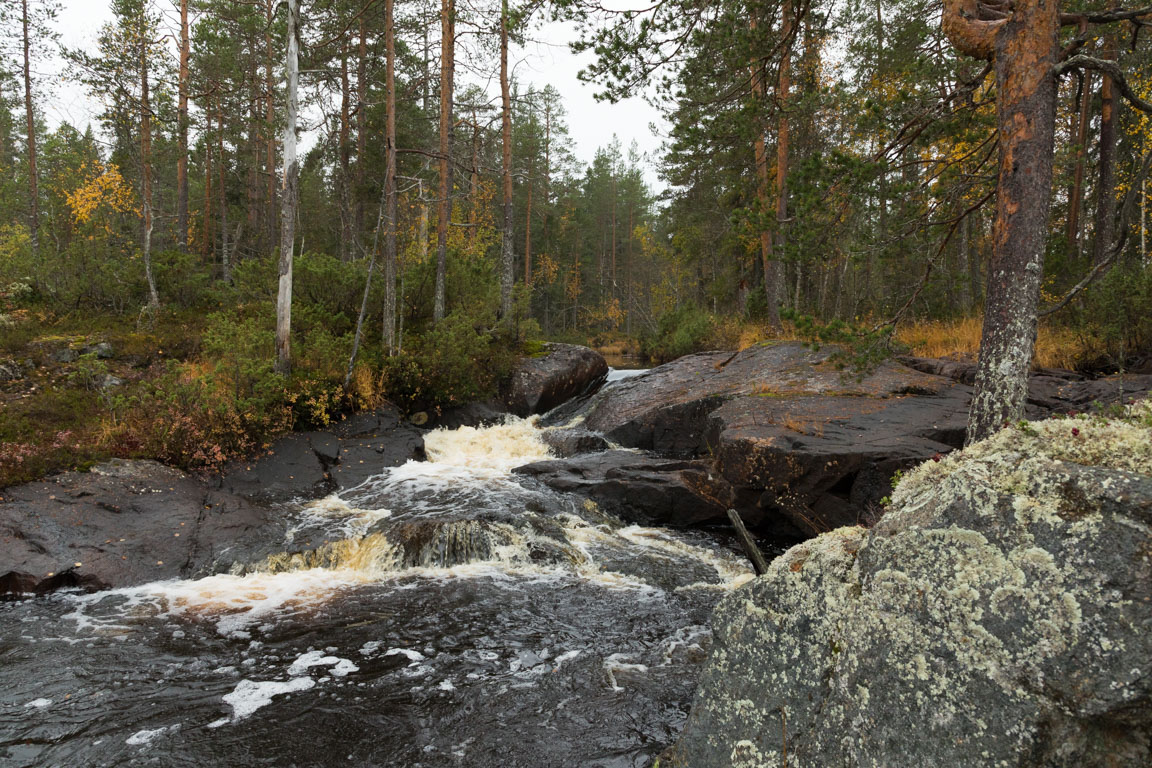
pixel 998 614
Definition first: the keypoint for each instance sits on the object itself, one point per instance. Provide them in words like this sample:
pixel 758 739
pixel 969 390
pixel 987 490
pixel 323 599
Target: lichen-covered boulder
pixel 1000 614
pixel 563 372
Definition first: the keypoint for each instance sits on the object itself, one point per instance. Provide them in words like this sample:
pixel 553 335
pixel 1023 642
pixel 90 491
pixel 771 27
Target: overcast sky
pixel 548 61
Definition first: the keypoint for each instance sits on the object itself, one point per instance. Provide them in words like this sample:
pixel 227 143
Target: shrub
pixel 682 331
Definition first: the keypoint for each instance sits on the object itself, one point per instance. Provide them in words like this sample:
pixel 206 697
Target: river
pixel 444 613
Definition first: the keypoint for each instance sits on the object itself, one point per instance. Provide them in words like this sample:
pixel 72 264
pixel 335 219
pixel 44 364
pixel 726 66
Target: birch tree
pixel 288 195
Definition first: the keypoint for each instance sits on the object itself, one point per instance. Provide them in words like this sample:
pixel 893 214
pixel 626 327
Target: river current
pixel 444 613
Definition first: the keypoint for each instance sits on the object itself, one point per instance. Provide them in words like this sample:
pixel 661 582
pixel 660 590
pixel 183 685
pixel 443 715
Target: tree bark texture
pixel 507 256
pixel 1024 49
pixel 447 68
pixel 1076 194
pixel 1106 185
pixel 182 135
pixel 30 120
pixel 772 275
pixel 390 222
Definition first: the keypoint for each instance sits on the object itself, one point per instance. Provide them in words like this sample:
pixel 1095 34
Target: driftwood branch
pixel 759 564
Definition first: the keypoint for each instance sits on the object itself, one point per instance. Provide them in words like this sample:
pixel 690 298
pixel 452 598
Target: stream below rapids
pixel 444 613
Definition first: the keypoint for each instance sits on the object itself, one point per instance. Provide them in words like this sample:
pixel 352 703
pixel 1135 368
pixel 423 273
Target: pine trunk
pixel 1024 52
pixel 447 66
pixel 33 193
pixel 1106 186
pixel 507 256
pixel 390 254
pixel 1076 193
pixel 182 135
pixel 772 275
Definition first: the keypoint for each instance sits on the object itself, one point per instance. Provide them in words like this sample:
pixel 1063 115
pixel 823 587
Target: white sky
pixel 547 61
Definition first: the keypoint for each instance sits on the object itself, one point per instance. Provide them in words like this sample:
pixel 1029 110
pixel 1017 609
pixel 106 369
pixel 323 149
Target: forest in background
pixel 831 172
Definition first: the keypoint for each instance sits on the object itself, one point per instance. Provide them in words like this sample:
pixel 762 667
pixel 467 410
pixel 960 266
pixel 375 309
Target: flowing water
pixel 444 613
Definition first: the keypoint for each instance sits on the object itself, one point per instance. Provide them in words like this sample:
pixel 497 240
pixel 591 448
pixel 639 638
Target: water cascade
pixel 443 613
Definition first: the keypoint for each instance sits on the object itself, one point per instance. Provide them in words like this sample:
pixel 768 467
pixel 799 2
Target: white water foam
pixel 140 738
pixel 251 695
pixel 340 667
pixel 350 521
pixel 501 447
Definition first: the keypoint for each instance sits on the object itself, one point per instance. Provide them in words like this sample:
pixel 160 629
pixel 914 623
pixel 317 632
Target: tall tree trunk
pixel 33 193
pixel 1076 193
pixel 507 256
pixel 1106 186
pixel 347 249
pixel 783 131
pixel 772 276
pixel 361 127
pixel 222 183
pixel 182 135
pixel 528 228
pixel 1024 49
pixel 146 164
pixel 447 68
pixel 390 255
pixel 206 239
pixel 270 120
pixel 288 199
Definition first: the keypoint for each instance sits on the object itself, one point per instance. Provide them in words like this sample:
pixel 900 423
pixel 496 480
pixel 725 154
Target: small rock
pixel 64 356
pixel 10 370
pixel 102 350
pixel 109 381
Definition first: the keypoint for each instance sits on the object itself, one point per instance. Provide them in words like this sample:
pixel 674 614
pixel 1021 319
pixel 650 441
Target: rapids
pixel 443 613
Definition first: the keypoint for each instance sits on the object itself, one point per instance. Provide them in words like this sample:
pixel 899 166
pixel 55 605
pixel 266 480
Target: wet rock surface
pixel 563 372
pixel 997 615
pixel 805 446
pixel 639 487
pixel 566 443
pixel 311 464
pixel 121 524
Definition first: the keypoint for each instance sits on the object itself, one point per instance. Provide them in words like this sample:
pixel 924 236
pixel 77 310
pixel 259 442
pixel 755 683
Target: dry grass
pixel 1056 347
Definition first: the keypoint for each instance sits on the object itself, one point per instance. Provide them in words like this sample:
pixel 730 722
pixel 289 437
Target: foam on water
pixel 234 603
pixel 251 695
pixel 501 447
pixel 349 521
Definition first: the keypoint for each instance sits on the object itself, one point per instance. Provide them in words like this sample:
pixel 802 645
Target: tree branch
pixel 1113 71
pixel 1117 247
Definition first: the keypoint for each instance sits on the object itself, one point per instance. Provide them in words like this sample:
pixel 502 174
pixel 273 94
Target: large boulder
pixel 125 523
pixel 562 372
pixel 999 614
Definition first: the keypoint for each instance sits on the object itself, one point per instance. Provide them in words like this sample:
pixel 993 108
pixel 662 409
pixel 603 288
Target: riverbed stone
pixel 569 442
pixel 560 373
pixel 999 614
pixel 125 523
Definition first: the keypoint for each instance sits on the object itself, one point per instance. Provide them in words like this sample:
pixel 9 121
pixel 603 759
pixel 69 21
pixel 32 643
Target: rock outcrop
pixel 804 446
pixel 1000 614
pixel 311 464
pixel 125 523
pixel 562 372
pixel 639 487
